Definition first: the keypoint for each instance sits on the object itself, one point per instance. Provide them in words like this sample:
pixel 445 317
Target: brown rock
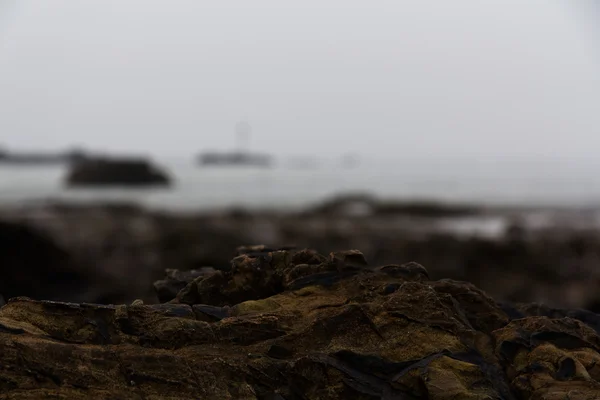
pixel 261 331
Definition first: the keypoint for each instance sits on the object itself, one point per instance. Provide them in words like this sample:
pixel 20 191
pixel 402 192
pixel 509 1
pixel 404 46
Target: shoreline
pixel 119 250
pixel 446 216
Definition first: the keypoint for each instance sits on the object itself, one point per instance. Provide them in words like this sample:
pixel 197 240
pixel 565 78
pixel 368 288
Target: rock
pixel 307 256
pixel 411 270
pixel 260 249
pixel 518 311
pixel 348 259
pixel 33 265
pixel 167 289
pixel 555 266
pixel 483 313
pixel 254 332
pixel 116 172
pixel 362 205
pixel 550 358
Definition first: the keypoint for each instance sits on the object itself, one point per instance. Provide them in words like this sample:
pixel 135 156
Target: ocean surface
pixel 299 184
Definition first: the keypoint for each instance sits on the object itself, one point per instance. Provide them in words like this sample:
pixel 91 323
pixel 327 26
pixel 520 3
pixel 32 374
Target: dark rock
pixel 307 256
pixel 211 313
pixel 360 204
pixel 202 289
pixel 176 280
pixel 33 265
pixel 261 248
pixel 116 172
pixel 549 358
pixel 280 352
pixel 348 259
pixel 410 271
pixel 252 333
pixel 541 310
pixel 482 311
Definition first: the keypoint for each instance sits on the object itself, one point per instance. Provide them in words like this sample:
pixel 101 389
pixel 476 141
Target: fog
pixel 388 79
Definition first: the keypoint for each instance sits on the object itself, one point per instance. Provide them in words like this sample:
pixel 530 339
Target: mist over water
pixel 518 183
pixel 491 103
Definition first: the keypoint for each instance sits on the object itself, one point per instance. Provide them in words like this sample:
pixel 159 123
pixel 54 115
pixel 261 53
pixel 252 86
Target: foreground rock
pixel 175 280
pixel 116 172
pixel 298 325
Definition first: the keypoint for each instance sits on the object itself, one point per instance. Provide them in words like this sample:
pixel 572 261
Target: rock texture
pixel 294 324
pixel 175 280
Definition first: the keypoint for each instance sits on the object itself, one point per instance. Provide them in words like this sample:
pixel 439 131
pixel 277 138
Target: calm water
pixel 293 186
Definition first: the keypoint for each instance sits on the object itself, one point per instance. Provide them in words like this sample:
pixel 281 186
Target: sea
pixel 297 183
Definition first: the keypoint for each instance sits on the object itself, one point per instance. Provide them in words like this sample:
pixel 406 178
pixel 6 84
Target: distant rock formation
pixel 235 159
pixel 116 172
pixel 240 157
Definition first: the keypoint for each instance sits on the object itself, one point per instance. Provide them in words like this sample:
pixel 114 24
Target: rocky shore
pixel 114 253
pixel 295 324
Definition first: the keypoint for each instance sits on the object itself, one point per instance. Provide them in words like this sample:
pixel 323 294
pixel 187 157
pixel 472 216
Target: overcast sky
pixel 395 78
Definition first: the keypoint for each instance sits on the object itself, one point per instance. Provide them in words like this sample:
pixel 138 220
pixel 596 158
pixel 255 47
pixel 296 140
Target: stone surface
pixel 297 325
pixel 175 280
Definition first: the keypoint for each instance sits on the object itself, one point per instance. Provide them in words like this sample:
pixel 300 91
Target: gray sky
pixel 394 78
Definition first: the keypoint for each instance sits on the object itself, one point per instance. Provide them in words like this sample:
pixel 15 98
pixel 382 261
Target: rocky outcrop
pixel 116 172
pixel 33 265
pixel 294 324
pixel 116 242
pixel 361 204
pixel 175 280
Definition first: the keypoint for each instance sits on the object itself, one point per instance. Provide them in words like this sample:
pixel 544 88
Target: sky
pixel 381 78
